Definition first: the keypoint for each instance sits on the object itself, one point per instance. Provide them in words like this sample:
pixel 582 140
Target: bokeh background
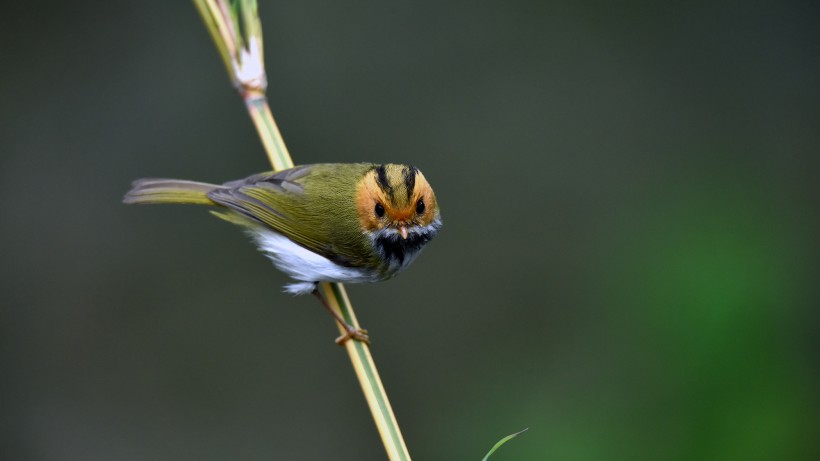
pixel 628 265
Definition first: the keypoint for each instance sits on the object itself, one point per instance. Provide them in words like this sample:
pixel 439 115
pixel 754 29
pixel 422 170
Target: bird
pixel 327 222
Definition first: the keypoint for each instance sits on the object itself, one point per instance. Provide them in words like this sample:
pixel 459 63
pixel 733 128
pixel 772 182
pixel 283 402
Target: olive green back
pixel 313 205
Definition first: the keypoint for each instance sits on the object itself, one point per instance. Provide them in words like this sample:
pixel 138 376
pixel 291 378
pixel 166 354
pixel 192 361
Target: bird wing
pixel 277 200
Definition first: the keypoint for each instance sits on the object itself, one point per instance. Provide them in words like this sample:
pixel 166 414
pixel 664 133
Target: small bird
pixel 350 223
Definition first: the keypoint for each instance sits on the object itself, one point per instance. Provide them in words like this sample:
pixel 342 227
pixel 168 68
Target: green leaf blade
pixel 502 442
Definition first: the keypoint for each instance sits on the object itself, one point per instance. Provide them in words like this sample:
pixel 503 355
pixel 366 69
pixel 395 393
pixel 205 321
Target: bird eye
pixel 420 207
pixel 379 210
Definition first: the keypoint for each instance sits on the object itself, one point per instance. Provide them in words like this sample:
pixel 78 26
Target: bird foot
pixel 356 334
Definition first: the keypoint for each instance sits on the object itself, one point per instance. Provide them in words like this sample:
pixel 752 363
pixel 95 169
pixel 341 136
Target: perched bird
pixel 348 223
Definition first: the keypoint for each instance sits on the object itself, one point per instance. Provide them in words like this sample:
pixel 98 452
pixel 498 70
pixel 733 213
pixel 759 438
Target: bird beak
pixel 403 231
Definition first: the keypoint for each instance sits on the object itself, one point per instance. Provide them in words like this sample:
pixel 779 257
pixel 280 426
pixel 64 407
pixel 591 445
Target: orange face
pixel 395 196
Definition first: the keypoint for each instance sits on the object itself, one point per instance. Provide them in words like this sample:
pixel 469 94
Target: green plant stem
pixel 337 298
pixel 224 30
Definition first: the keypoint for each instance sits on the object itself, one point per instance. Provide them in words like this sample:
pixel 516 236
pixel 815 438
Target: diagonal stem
pixel 246 69
pixel 337 299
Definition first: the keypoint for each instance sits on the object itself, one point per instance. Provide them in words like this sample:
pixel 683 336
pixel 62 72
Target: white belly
pixel 305 265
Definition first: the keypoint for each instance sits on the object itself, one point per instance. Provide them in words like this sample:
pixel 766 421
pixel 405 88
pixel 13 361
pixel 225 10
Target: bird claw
pixel 357 334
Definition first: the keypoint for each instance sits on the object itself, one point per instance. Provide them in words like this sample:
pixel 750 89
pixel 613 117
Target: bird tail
pixel 151 191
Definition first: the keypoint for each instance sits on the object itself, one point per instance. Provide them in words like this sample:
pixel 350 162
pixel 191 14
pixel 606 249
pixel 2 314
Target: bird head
pixel 396 202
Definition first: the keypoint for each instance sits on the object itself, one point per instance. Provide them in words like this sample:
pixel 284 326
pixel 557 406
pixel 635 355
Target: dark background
pixel 628 265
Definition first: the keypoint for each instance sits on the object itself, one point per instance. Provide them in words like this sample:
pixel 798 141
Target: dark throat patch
pixel 397 249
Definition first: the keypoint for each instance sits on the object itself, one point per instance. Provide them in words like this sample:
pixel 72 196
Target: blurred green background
pixel 628 265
